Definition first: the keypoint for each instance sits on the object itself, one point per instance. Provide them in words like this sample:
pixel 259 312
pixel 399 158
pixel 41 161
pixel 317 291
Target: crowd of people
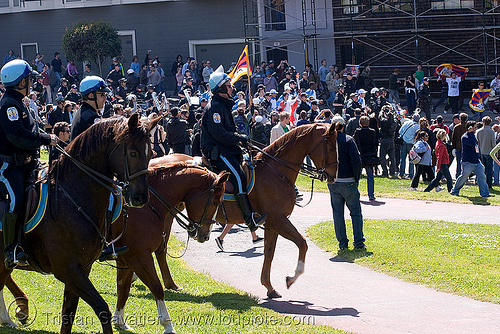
pixel 391 141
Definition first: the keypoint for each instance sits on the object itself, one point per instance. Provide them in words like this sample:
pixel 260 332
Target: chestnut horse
pixel 148 229
pixel 69 240
pixel 276 169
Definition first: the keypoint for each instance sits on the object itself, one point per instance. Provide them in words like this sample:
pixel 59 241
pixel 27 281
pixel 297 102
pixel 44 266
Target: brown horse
pixel 201 192
pixel 69 240
pixel 275 173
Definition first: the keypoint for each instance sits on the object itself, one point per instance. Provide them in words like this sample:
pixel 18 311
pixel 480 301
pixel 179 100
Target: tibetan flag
pixel 445 70
pixel 478 99
pixel 242 67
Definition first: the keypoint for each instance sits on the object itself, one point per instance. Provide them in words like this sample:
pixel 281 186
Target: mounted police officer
pixel 220 142
pixel 94 94
pixel 19 144
pixel 93 90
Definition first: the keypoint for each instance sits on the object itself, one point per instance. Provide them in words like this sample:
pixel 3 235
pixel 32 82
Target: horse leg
pixel 270 238
pixel 22 311
pixel 161 257
pixel 143 266
pixel 123 283
pixel 5 319
pixel 168 281
pixel 288 231
pixel 68 312
pixel 77 284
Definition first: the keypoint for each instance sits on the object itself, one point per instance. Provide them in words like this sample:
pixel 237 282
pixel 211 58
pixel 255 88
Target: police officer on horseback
pixel 220 142
pixel 94 94
pixel 19 145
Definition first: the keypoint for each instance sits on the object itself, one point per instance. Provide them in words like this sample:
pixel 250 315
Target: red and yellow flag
pixel 242 67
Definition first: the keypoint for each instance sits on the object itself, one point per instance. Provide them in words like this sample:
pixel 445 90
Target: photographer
pixel 324 117
pixel 411 92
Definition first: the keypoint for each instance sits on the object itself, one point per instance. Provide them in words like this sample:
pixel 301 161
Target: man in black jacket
pixel 424 98
pixel 220 142
pixel 176 132
pixel 345 189
pixel 388 127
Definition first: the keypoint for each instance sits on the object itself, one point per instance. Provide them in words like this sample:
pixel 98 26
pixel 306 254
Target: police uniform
pixel 19 144
pixel 83 119
pixel 219 140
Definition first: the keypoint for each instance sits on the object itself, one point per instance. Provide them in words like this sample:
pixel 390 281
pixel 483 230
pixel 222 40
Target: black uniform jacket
pixel 18 130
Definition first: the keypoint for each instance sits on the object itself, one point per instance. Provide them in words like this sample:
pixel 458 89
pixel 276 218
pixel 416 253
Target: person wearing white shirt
pixel 453 91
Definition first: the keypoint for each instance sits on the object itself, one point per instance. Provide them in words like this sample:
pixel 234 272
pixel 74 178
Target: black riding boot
pixel 111 252
pixel 252 219
pixel 14 255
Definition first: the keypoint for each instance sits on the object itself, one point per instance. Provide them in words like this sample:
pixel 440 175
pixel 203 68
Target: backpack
pixel 414 157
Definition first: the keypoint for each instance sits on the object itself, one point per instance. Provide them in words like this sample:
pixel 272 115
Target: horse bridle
pixel 320 173
pixel 193 225
pixel 125 184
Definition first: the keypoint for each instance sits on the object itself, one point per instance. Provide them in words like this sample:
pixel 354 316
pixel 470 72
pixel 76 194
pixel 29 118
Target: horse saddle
pixel 36 196
pixel 248 169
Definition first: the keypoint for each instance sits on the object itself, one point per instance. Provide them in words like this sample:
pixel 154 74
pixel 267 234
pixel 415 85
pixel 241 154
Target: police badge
pixel 217 118
pixel 13 114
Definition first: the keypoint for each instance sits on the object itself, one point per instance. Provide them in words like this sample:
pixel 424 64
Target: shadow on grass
pixel 305 308
pixel 350 255
pixel 221 301
pixel 478 200
pixel 373 203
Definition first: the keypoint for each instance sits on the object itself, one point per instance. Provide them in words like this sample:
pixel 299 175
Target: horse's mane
pixel 289 139
pixel 173 168
pixel 99 136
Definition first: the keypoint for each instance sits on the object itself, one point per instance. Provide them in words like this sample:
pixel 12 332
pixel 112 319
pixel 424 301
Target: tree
pixel 92 42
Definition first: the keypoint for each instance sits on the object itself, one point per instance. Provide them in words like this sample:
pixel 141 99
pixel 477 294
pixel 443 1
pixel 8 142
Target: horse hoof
pixel 289 282
pixel 273 294
pixel 175 288
pixel 123 327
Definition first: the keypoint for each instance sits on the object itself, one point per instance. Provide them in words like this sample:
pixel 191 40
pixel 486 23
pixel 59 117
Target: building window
pixel 452 4
pixel 490 3
pixel 350 7
pixel 275 15
pixel 392 5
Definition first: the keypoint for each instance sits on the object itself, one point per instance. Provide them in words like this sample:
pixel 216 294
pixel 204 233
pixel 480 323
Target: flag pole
pixel 250 99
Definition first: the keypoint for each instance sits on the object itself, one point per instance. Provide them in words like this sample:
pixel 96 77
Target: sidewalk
pixel 342 294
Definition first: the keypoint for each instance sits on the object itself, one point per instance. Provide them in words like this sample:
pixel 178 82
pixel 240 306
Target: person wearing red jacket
pixel 442 162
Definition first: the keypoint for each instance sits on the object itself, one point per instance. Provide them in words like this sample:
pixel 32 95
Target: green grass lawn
pixel 397 188
pixel 460 258
pixel 204 306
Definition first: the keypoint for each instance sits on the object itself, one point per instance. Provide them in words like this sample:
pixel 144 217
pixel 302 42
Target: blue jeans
pixel 370 182
pixel 405 149
pixel 459 163
pixel 411 102
pixel 394 96
pixel 331 98
pixel 487 161
pixel 467 169
pixel 496 173
pixel 346 193
pixel 444 171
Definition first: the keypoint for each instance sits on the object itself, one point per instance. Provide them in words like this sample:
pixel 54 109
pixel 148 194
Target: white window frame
pixel 28 44
pixel 129 33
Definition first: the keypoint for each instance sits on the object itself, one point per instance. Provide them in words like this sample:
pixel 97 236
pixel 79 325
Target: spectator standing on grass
pixel 453 91
pixel 442 164
pixel 408 131
pixel 424 98
pixel 456 141
pixel 345 190
pixel 486 139
pixel 366 140
pixel 423 149
pixel 471 163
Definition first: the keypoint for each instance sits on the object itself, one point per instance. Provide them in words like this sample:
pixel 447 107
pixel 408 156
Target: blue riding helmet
pixel 14 71
pixel 93 83
pixel 217 79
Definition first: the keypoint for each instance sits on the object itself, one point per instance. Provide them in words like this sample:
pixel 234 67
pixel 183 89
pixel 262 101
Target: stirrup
pixel 16 257
pixel 111 252
pixel 254 222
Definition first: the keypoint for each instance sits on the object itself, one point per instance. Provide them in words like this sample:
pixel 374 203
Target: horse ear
pixel 133 121
pixel 332 129
pixel 222 178
pixel 154 122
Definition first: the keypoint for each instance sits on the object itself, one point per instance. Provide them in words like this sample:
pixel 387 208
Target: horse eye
pixel 133 154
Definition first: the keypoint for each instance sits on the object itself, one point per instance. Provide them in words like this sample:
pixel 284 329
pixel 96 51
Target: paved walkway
pixel 342 294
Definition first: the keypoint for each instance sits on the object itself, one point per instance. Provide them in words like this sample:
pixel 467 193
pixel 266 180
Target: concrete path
pixel 344 295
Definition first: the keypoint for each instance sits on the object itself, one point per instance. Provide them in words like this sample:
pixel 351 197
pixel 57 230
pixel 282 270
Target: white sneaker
pixel 438 189
pixel 413 189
